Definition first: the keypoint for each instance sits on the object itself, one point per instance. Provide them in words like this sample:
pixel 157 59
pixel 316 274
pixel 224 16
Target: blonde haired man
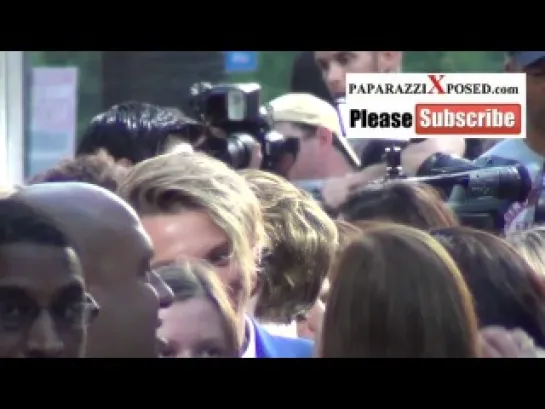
pixel 303 242
pixel 195 207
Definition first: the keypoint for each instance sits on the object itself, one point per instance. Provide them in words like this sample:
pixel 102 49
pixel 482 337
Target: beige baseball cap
pixel 311 110
pixel 306 109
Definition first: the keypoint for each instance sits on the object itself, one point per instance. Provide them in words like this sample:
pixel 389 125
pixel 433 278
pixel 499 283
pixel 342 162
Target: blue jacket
pixel 275 346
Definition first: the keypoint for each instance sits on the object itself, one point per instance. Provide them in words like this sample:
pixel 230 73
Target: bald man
pixel 115 253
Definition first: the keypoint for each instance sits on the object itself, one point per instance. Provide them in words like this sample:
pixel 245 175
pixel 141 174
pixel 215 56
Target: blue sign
pixel 240 61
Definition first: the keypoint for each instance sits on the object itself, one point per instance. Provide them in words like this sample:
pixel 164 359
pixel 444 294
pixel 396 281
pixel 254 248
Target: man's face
pixel 115 253
pixel 535 94
pixel 193 236
pixel 43 308
pixel 334 66
pixel 130 295
pixel 304 164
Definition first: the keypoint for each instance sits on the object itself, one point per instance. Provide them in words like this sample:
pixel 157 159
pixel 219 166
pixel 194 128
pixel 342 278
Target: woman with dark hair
pixel 378 310
pixel 506 290
pixel 412 204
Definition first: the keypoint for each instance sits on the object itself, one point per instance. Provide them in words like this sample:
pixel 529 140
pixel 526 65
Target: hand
pixel 336 190
pixel 497 342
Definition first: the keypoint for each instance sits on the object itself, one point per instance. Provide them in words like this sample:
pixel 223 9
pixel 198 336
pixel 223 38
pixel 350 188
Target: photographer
pixel 334 66
pixel 312 130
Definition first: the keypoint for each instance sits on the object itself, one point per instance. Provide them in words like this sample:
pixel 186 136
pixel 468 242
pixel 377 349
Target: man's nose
pixel 335 77
pixel 166 296
pixel 43 339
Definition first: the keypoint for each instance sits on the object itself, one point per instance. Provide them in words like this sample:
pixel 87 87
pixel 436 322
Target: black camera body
pixel 479 192
pixel 234 121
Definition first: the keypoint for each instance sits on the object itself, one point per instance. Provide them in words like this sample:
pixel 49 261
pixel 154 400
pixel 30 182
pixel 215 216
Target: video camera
pixel 479 192
pixel 234 121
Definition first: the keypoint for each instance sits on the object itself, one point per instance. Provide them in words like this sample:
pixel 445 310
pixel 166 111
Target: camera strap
pixel 521 216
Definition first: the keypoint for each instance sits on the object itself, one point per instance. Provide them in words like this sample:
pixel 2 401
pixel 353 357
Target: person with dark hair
pixel 507 291
pixel 99 169
pixel 44 310
pixel 134 131
pixel 398 294
pixel 115 253
pixel 412 204
pixel 307 78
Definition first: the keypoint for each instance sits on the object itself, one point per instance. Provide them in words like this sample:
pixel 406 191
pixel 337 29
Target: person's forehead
pixel 40 270
pixel 200 316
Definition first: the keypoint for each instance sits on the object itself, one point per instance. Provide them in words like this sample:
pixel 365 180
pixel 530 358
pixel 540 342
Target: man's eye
pixel 220 260
pixel 12 316
pixel 344 59
pixel 73 313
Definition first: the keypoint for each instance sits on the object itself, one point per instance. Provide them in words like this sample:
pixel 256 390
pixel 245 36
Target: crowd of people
pixel 143 246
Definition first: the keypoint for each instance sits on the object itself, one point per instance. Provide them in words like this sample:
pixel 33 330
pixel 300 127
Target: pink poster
pixel 53 116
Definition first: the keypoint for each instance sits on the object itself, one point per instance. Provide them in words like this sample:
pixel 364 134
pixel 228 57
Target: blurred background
pixel 63 90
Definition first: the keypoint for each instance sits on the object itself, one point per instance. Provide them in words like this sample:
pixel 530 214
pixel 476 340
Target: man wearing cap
pixel 316 149
pixel 530 151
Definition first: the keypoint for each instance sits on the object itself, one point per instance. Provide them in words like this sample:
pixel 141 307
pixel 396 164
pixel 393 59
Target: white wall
pixel 12 119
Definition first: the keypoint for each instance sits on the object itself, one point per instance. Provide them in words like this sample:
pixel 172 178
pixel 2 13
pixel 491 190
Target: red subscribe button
pixel 468 119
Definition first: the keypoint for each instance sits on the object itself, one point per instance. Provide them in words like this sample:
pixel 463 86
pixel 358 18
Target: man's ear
pixel 325 136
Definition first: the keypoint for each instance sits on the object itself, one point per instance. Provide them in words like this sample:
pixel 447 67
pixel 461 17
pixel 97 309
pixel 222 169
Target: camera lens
pixel 239 150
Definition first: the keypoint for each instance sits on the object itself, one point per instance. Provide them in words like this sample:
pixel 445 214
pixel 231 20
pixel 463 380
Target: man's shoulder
pixel 277 346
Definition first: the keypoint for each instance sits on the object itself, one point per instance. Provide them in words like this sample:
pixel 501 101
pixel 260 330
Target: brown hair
pixel 303 242
pixel 506 289
pixel 398 294
pixel 176 182
pixel 99 169
pixel 413 204
pixel 194 280
pixel 347 232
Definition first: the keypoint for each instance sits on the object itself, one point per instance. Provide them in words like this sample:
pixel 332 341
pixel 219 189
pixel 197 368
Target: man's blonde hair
pixel 303 242
pixel 175 182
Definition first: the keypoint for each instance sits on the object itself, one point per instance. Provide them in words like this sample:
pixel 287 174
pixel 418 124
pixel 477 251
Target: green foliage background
pixel 273 72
